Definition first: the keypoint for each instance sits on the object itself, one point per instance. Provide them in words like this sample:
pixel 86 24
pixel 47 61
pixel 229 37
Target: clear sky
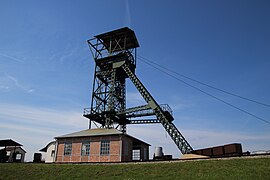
pixel 46 68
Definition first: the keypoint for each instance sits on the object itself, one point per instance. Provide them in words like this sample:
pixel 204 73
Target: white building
pixel 49 152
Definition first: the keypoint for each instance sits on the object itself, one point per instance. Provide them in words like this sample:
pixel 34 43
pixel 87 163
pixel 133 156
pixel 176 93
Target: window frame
pixel 136 155
pixel 18 156
pixel 105 147
pixel 68 149
pixel 87 148
pixel 52 153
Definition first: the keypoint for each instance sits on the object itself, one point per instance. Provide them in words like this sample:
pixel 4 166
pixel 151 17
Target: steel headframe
pixel 109 85
pixel 115 60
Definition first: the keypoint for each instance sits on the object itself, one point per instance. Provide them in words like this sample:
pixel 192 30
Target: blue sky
pixel 46 68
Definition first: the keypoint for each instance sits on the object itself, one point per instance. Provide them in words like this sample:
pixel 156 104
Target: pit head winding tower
pixel 114 53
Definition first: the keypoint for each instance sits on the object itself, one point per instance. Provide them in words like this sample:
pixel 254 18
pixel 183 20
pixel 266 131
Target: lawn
pixel 258 168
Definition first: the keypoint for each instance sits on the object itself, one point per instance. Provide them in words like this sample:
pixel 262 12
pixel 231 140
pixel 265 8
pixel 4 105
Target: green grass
pixel 258 168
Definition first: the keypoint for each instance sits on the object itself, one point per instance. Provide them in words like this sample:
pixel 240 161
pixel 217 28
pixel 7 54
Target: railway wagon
pixel 218 151
pixel 228 150
pixel 233 149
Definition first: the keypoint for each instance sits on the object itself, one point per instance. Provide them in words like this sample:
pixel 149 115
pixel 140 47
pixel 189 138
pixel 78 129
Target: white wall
pixel 49 157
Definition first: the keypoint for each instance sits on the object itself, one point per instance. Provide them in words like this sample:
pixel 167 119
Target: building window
pixel 8 153
pixel 136 154
pixel 85 148
pixel 105 147
pixel 68 149
pixel 18 156
pixel 52 153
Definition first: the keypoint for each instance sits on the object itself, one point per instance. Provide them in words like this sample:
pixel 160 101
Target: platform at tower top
pixel 124 37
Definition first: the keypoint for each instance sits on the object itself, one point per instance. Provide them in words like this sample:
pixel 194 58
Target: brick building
pixel 100 145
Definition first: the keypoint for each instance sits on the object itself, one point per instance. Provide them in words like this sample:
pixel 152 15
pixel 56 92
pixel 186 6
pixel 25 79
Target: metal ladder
pixel 175 134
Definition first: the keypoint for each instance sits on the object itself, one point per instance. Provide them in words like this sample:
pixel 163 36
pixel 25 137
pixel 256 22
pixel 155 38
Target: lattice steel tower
pixel 115 60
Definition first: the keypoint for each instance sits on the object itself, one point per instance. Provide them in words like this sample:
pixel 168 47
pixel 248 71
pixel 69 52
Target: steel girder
pixel 174 133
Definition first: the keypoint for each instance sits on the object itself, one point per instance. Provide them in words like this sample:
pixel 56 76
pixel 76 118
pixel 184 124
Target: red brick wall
pixel 95 147
pixel 76 150
pixel 104 158
pixel 60 152
pixel 84 159
pixel 114 156
pixel 115 147
pixel 94 159
pixel 94 150
pixel 118 151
